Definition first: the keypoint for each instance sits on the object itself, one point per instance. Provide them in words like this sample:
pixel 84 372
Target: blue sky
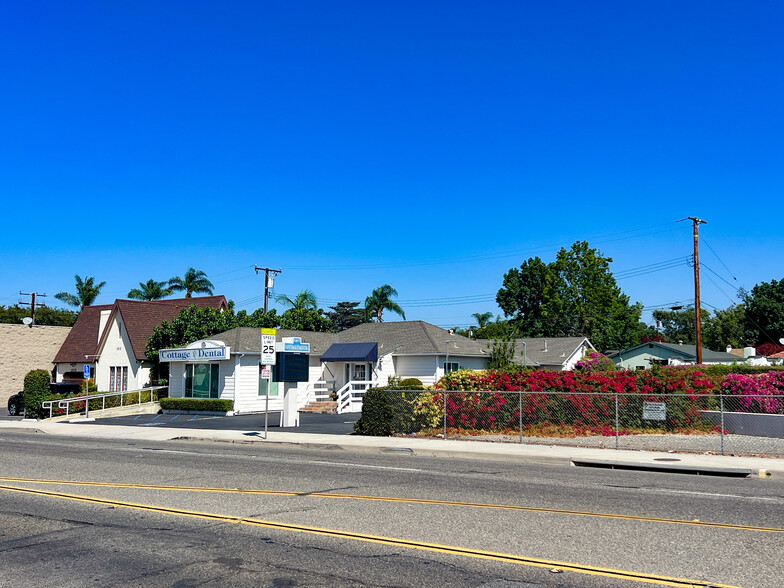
pixel 431 146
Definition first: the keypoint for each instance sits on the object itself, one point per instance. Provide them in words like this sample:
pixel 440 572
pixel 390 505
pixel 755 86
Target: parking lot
pixel 328 424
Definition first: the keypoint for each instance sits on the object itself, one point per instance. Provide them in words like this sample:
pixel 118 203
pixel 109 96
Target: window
pixel 201 380
pixel 452 366
pixel 118 378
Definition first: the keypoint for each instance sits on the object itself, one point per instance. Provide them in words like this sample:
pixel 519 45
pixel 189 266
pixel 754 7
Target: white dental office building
pixel 345 364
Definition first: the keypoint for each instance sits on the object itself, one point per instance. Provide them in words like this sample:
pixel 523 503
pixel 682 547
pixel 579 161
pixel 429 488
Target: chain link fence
pixel 751 425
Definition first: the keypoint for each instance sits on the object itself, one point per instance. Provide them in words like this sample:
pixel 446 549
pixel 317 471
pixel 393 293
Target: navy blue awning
pixel 351 352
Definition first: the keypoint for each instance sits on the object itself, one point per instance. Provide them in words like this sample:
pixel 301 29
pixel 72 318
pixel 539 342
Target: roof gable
pixel 548 350
pixel 83 339
pixel 140 317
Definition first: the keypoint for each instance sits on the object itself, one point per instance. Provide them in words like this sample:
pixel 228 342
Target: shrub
pixel 595 362
pixel 198 404
pixel 377 414
pixel 412 384
pixel 36 390
pixel 390 411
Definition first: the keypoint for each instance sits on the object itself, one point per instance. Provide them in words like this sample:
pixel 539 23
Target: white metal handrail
pixel 350 396
pixel 67 402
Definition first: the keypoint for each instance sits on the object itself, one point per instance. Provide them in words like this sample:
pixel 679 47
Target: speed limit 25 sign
pixel 268 346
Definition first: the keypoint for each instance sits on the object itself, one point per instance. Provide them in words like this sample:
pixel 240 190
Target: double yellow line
pixel 332 495
pixel 391 541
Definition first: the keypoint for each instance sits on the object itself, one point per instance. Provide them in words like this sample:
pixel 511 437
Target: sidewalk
pixel 542 454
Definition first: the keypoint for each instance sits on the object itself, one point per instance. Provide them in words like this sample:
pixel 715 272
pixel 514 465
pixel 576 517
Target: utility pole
pixel 697 318
pixel 32 304
pixel 268 280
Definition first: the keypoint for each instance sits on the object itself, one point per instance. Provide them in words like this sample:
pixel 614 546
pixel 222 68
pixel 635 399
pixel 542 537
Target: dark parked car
pixel 16 404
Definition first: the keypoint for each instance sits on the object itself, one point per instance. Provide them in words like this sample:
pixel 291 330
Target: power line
pixel 630 234
pixel 720 260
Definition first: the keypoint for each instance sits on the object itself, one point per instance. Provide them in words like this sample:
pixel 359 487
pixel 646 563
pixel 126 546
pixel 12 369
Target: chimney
pixel 545 345
pixel 102 323
pixel 749 352
pixel 729 348
pixel 451 331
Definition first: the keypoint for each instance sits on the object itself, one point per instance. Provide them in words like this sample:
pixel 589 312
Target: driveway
pixel 325 424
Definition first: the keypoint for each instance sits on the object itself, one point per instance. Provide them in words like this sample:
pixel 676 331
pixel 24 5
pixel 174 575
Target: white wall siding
pixel 247 389
pixel 422 367
pixel 117 352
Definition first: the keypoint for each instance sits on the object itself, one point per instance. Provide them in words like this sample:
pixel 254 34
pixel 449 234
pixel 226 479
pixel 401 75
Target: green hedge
pixel 36 390
pixel 198 404
pixel 390 411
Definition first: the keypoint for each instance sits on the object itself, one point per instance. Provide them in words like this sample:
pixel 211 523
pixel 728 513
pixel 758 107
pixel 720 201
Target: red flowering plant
pixel 584 403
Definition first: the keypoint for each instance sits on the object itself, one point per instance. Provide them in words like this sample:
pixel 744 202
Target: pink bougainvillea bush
pixel 755 392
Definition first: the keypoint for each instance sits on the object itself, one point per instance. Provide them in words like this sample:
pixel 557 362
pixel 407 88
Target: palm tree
pixel 380 300
pixel 194 282
pixel 86 292
pixel 152 290
pixel 482 318
pixel 305 299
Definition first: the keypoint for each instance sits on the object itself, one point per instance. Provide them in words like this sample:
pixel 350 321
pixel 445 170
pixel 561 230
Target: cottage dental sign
pixel 198 354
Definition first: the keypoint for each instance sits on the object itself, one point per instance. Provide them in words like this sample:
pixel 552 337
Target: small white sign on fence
pixel 654 411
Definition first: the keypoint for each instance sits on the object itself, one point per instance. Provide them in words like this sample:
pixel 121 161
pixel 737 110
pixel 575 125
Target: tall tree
pixel 677 325
pixel 150 290
pixel 43 315
pixel 583 299
pixel 194 282
pixel 305 319
pixel 482 318
pixel 575 295
pixel 764 308
pixel 306 299
pixel 86 292
pixel 522 294
pixel 380 300
pixel 345 315
pixel 724 328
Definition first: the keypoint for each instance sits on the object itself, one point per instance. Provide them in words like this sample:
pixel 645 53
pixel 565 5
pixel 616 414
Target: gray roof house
pixel 553 353
pixel 645 355
pixel 347 363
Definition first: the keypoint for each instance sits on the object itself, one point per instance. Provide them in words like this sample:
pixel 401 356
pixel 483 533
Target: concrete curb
pixel 525 453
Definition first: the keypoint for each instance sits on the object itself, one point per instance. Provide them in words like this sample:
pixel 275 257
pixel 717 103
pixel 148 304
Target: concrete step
pixel 324 407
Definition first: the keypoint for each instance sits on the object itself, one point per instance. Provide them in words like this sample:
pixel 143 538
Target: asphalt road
pixel 67 541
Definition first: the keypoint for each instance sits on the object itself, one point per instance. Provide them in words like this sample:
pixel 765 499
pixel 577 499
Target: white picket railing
pixel 315 392
pixel 350 396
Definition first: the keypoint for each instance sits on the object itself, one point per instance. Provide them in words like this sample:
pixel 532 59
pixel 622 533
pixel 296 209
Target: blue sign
pixel 86 371
pixel 292 345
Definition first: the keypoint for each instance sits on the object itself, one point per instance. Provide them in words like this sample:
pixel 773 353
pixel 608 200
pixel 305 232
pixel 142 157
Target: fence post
pixel 721 407
pixel 445 414
pixel 520 413
pixel 616 421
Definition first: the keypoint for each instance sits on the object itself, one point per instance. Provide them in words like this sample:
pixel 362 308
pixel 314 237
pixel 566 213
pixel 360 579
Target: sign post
pixel 267 361
pixel 87 390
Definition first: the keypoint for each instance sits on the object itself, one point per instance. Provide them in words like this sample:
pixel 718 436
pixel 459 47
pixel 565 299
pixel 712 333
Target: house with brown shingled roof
pixel 112 339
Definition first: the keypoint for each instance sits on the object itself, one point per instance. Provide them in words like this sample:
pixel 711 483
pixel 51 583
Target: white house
pixel 112 339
